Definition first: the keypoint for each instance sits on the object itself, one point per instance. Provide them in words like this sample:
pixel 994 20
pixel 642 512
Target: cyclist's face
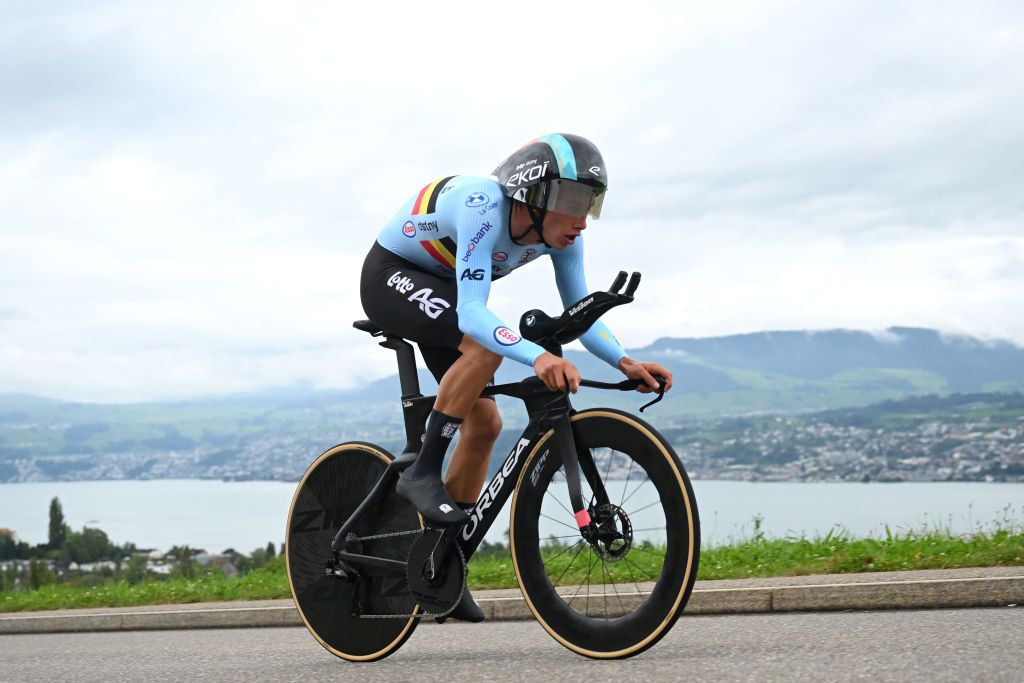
pixel 561 230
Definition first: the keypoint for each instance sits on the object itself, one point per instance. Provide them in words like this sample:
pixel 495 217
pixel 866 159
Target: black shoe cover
pixel 429 496
pixel 466 610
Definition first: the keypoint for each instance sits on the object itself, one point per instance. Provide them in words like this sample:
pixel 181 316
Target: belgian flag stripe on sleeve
pixel 442 250
pixel 419 200
pixel 426 200
pixel 436 192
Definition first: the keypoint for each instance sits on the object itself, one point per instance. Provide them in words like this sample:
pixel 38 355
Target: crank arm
pixel 446 543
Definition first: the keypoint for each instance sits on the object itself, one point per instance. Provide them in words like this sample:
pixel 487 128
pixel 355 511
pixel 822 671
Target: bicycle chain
pixel 389 535
pixel 401 616
pixel 394 534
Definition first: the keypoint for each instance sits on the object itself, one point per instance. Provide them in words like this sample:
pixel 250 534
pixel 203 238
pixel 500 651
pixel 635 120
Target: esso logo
pixel 499 256
pixel 409 229
pixel 505 336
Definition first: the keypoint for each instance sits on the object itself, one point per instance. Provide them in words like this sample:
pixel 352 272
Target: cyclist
pixel 427 279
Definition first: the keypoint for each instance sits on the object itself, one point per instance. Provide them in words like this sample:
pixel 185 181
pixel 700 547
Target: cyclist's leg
pixel 387 285
pixel 420 306
pixel 459 390
pixel 468 467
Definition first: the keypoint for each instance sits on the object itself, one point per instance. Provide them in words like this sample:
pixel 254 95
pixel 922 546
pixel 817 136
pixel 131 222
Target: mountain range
pixel 804 370
pixel 736 375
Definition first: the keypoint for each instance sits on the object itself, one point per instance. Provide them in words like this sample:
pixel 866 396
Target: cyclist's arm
pixel 572 286
pixel 473 273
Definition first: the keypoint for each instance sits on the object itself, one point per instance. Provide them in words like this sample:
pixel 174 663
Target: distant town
pixel 801 450
pixel 960 437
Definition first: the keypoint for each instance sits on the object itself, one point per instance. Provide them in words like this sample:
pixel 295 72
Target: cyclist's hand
pixel 557 373
pixel 644 372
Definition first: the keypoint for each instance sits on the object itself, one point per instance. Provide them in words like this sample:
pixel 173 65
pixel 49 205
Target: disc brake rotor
pixel 436 571
pixel 614 533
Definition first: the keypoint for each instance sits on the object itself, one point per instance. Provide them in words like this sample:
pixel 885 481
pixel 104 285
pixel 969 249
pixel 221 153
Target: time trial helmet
pixel 560 172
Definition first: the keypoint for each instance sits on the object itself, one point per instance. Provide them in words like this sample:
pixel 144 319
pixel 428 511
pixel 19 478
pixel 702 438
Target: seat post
pixel 407 376
pixel 415 406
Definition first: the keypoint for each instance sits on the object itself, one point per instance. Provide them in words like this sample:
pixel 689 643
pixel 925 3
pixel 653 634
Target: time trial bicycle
pixel 603 531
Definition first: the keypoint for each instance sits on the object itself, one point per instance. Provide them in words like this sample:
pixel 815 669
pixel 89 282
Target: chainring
pixel 440 594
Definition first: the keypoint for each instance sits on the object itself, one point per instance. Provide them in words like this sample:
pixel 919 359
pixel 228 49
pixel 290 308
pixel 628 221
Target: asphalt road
pixel 932 645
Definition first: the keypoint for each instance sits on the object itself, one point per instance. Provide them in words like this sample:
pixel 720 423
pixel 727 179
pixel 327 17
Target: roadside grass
pixel 266 583
pixel 835 553
pixel 838 553
pixel 1001 544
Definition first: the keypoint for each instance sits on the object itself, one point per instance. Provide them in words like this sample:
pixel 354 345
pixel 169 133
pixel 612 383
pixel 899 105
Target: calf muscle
pixel 459 396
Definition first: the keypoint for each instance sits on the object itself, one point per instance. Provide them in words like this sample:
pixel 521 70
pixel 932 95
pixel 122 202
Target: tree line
pixel 66 551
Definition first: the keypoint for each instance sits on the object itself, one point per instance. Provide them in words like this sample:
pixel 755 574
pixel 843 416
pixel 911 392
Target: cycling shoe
pixel 466 610
pixel 429 496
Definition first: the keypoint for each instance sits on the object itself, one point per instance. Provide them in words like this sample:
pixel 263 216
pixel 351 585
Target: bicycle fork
pixel 575 458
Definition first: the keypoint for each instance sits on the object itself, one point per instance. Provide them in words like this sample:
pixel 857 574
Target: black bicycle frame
pixel 547 411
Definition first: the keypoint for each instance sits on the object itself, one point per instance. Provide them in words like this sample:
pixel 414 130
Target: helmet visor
pixel 575 199
pixel 566 197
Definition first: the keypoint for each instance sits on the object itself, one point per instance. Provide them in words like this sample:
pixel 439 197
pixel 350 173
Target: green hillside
pixel 276 433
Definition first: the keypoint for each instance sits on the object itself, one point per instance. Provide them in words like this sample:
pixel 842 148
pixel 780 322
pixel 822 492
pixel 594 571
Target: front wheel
pixel 615 595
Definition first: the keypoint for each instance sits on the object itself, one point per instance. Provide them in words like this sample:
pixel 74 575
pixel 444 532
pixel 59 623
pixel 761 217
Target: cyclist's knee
pixel 483 423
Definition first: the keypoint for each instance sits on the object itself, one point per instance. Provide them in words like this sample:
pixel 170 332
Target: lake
pixel 245 515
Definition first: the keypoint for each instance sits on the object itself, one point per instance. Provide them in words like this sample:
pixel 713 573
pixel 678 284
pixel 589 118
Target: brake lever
pixel 661 394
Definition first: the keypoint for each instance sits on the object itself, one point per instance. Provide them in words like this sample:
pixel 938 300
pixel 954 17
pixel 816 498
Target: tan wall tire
pixel 330 490
pixel 633 624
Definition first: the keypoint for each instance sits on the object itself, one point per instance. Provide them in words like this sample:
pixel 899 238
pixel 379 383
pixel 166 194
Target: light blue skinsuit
pixel 458 227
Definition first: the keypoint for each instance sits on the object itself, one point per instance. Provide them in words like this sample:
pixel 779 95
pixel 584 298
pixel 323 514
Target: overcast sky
pixel 187 189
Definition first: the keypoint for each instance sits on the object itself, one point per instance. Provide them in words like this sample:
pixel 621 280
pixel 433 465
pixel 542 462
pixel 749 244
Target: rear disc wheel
pixel 331 608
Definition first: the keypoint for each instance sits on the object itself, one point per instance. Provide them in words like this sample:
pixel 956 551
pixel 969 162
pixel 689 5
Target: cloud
pixel 187 190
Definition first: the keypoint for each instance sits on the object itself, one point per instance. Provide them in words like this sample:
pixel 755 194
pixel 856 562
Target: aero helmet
pixel 560 172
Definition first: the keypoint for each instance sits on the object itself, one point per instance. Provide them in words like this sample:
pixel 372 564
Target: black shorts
pixel 414 304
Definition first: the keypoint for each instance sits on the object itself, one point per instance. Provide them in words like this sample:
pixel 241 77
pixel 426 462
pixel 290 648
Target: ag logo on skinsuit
pixel 433 306
pixel 505 336
pixel 468 274
pixel 476 199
